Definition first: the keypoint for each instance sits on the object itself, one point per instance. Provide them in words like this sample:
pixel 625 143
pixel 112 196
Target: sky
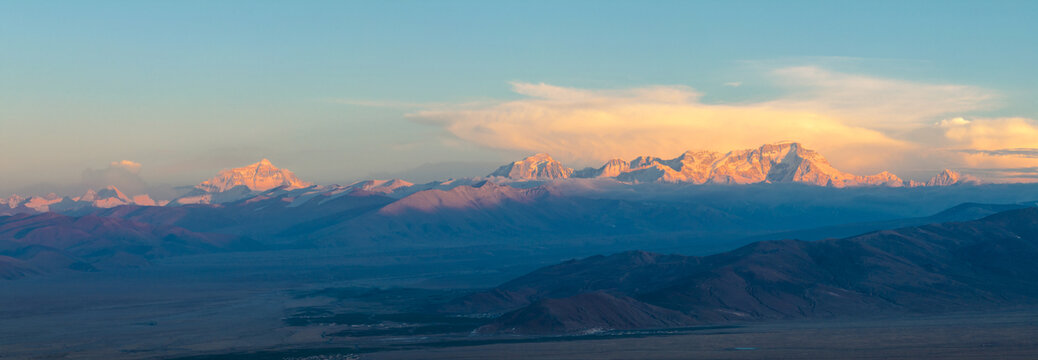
pixel 163 93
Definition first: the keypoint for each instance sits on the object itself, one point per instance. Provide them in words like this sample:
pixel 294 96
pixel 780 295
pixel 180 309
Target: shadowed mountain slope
pixel 49 242
pixel 585 312
pixel 487 212
pixel 941 267
pixel 961 212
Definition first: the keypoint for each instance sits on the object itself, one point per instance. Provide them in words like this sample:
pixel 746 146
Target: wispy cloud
pixel 874 101
pixel 1023 174
pixel 1029 153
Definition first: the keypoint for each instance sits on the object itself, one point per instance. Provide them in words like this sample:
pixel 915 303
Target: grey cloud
pixel 1023 152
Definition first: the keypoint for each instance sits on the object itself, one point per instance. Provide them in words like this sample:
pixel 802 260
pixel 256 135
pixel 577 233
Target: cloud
pixel 862 124
pixel 995 143
pixel 733 84
pixel 121 174
pixel 1029 153
pixel 127 165
pixel 876 102
pixel 1025 174
pixel 991 133
pixel 952 122
pixel 595 125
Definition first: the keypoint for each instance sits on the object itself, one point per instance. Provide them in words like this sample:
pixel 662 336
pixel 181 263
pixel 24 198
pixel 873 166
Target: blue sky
pixel 337 91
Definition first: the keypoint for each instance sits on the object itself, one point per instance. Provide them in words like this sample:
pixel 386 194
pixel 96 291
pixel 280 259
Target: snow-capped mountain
pixel 611 169
pixel 263 180
pixel 536 167
pixel 106 198
pixel 772 163
pixel 18 204
pixel 482 195
pixel 260 176
pixel 786 162
pixel 103 198
pixel 381 186
pixel 238 183
pixel 949 177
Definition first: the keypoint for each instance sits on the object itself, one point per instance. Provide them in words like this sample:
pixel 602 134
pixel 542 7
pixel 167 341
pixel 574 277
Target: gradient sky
pixel 339 91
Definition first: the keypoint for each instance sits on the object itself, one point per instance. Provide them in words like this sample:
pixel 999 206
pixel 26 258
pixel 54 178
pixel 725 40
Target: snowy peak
pixel 783 162
pixel 239 183
pixel 12 201
pixel 611 169
pixel 382 186
pixel 107 193
pixel 260 176
pixel 791 162
pixel 145 200
pixel 536 167
pixel 107 197
pixel 945 178
pixel 949 177
pixel 653 172
pixel 38 203
pixel 614 168
pixel 644 161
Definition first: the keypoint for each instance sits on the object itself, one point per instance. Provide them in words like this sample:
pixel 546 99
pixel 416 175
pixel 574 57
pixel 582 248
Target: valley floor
pixel 992 335
pixel 231 301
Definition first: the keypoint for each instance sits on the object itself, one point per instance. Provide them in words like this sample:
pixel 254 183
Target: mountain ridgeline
pixel 786 162
pixel 531 204
pixel 975 265
pixel 773 163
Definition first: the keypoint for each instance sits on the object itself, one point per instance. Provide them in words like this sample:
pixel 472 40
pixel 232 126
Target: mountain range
pixel 772 163
pixel 106 197
pixel 50 242
pixel 528 204
pixel 955 266
pixel 787 162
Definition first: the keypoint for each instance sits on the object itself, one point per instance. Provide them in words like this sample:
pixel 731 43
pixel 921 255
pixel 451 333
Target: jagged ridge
pixel 786 162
